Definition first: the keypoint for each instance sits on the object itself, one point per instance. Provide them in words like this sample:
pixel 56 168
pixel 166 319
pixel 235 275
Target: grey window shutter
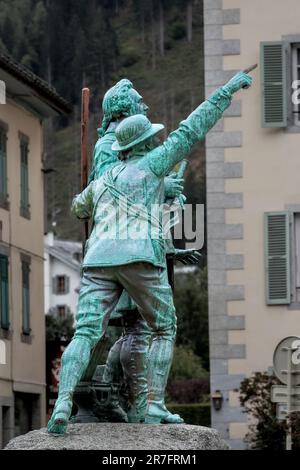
pixel 67 284
pixel 277 258
pixel 55 285
pixel 273 65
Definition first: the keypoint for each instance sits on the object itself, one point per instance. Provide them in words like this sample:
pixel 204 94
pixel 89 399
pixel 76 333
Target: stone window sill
pixel 25 212
pixel 26 338
pixel 4 204
pixel 5 333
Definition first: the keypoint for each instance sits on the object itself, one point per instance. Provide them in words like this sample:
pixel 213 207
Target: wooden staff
pixel 84 146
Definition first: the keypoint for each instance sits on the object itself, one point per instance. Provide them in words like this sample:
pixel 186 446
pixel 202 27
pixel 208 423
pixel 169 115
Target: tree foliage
pixel 191 300
pixel 266 432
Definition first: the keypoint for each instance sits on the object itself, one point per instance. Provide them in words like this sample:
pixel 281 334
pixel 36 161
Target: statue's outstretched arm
pixel 179 143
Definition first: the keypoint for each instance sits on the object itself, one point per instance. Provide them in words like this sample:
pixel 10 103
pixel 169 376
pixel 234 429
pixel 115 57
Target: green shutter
pixel 4 299
pixel 3 165
pixel 24 175
pixel 277 252
pixel 25 298
pixel 273 58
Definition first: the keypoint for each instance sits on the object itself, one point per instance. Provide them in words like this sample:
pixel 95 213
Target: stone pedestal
pixel 122 436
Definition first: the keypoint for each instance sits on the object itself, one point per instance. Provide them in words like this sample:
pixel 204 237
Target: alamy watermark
pixel 126 220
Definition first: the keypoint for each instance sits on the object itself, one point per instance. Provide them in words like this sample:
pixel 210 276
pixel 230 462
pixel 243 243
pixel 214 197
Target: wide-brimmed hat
pixel 133 130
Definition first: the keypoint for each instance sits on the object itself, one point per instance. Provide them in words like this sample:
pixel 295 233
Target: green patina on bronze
pixel 110 265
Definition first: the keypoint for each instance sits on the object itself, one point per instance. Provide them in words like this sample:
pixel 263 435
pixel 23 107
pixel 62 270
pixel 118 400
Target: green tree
pixel 192 312
pixel 266 432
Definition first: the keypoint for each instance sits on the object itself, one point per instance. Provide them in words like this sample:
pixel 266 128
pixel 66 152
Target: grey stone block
pixel 214 155
pixel 231 16
pixel 230 414
pixel 209 90
pixel 224 231
pixel 232 351
pixel 224 200
pixel 218 77
pixel 226 382
pixel 236 322
pixel 231 47
pixel 213 47
pixel 215 185
pixel 218 322
pixel 218 127
pixel 212 31
pixel 227 352
pixel 234 110
pixel 224 139
pixel 212 17
pixel 234 262
pixel 216 293
pixel 216 246
pixel 235 293
pixel 233 170
pixel 214 62
pixel 226 322
pixel 218 337
pixel 216 261
pixel 233 200
pixel 216 277
pixel 217 306
pixel 214 170
pixel 212 4
pixel 216 201
pixel 218 366
pixel 222 428
pixel 234 231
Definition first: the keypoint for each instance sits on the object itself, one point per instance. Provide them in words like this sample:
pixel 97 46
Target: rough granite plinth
pixel 122 436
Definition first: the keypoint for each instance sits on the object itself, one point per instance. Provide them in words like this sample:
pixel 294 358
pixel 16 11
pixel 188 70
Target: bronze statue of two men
pixel 125 256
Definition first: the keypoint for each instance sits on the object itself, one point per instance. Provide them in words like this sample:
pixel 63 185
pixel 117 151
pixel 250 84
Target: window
pixel 61 285
pixel 280 69
pixel 61 311
pixel 277 258
pixel 3 167
pixel 24 203
pixel 25 298
pixel 4 300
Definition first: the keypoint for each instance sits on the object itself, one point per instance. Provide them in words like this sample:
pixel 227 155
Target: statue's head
pixel 135 132
pixel 122 100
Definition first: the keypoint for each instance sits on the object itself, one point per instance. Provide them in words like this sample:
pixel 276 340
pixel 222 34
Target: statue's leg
pixel 99 294
pixel 134 354
pixel 150 289
pixel 113 367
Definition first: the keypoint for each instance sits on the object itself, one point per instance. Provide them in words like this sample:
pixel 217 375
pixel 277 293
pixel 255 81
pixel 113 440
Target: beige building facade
pixel 22 323
pixel 253 196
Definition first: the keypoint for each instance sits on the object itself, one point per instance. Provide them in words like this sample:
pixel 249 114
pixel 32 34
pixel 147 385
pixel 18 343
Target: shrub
pixel 197 414
pixel 186 364
pixel 188 390
pixel 266 432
